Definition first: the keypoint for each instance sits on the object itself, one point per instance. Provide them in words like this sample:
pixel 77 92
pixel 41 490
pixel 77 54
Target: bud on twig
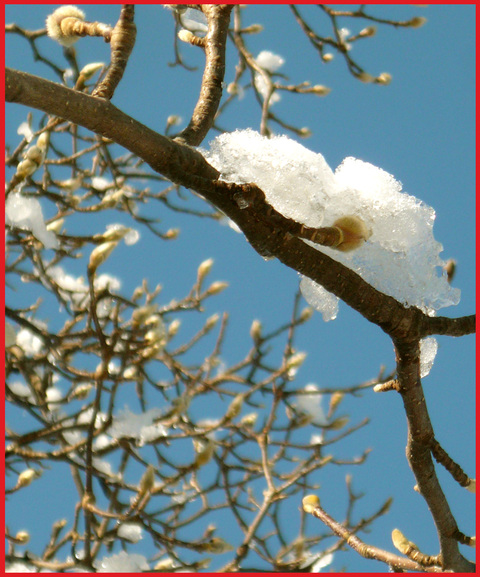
pixel 417 22
pixel 310 502
pixel 100 254
pixel 147 481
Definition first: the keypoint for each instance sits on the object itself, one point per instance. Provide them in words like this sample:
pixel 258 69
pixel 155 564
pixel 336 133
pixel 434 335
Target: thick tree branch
pixel 122 41
pixel 203 116
pixel 165 156
pixel 420 439
pixel 266 229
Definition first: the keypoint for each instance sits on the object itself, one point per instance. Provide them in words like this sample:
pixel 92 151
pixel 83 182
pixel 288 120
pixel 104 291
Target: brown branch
pixel 203 116
pixel 268 231
pixel 450 327
pixel 121 45
pixel 442 457
pixel 362 548
pixel 420 440
pixel 172 159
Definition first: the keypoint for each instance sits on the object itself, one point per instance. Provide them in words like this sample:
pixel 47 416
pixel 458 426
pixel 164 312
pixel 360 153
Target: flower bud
pixel 56 225
pixel 235 407
pixel 173 328
pixel 82 391
pixel 100 254
pixel 365 77
pixel 140 315
pixel 59 24
pixel 130 372
pixel 171 233
pixel 253 29
pixel 204 451
pixel 204 268
pixel 296 360
pixel 384 78
pixel 249 420
pixel 320 90
pixel 309 503
pixel 22 537
pixel 335 400
pixel 328 57
pixel 26 477
pixel 368 31
pixel 216 287
pixel 306 314
pixel 211 321
pixel 256 330
pixel 305 132
pixel 186 36
pixel 417 22
pixel 354 232
pixel 147 481
pixel 339 423
pixel 89 69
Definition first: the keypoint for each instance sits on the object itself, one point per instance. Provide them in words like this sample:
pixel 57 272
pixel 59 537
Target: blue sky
pixel 420 128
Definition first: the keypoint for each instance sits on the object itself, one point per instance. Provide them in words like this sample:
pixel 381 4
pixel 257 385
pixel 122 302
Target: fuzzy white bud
pixel 57 24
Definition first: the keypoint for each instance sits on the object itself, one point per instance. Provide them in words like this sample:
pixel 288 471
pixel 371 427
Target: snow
pixel 122 563
pixel 271 63
pixel 428 351
pixel 311 405
pixel 26 213
pixel 400 259
pixel 131 532
pixel 141 427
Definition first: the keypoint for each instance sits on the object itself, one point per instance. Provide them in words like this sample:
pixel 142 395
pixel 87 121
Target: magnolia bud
pixel 253 29
pixel 204 450
pixel 249 420
pixel 306 314
pixel 339 423
pixel 309 503
pixel 384 78
pixel 216 287
pixel 204 268
pixel 256 330
pixel 185 35
pixel 57 24
pixel 22 537
pixel 368 31
pixel 354 232
pixel 89 70
pixel 305 132
pixel 471 485
pixel 211 321
pixel 173 328
pixel 100 254
pixel 365 77
pixel 335 400
pixel 81 391
pixel 56 225
pixel 147 481
pixel 26 477
pixel 235 407
pixel 328 57
pixel 417 22
pixel 296 360
pixel 320 90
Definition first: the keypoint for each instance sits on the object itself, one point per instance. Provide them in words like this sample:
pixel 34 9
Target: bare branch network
pixel 149 477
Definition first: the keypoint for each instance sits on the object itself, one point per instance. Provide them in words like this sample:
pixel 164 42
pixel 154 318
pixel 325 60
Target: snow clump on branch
pixel 401 258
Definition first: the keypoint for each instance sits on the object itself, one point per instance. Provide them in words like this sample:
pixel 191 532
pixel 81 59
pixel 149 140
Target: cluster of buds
pixel 32 159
